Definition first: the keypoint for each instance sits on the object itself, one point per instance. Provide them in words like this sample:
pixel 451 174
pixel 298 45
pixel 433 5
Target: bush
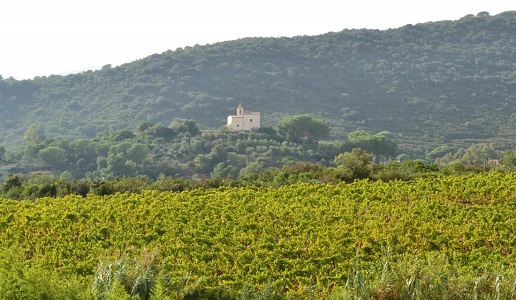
pixel 356 164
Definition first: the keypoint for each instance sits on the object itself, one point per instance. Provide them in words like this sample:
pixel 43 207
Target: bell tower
pixel 240 109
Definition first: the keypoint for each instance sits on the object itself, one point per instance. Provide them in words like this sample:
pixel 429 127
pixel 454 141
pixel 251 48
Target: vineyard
pixel 422 239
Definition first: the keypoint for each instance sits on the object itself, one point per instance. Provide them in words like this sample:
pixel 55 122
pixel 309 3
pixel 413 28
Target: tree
pixel 160 131
pixel 137 153
pixel 184 125
pixel 33 135
pixel 122 135
pixel 380 144
pixel 34 138
pixel 299 128
pixel 223 170
pixel 54 157
pixel 384 147
pixel 355 164
pixel 2 153
pixel 119 166
pixel 252 169
pixel 362 139
pixel 509 159
pixel 476 154
pixel 440 152
pixel 12 181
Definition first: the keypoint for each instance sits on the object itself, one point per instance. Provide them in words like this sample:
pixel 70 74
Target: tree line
pixel 185 157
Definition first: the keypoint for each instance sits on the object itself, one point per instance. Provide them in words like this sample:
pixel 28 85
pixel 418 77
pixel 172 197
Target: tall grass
pixel 431 277
pixel 143 277
pixel 127 276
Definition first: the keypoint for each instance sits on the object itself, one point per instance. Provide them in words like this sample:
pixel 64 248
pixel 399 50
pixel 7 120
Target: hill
pixel 448 82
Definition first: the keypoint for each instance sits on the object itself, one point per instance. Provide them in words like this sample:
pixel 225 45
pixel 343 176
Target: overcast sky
pixel 44 37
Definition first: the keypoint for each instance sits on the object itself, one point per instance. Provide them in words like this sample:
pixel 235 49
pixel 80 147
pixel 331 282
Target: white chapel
pixel 243 120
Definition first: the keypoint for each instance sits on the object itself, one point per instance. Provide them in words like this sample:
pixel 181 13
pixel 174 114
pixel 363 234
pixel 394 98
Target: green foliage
pixel 380 144
pixel 303 129
pixel 33 135
pixel 447 237
pixel 53 157
pixel 440 152
pixel 251 170
pixel 405 170
pixel 22 280
pixel 184 126
pixel 2 153
pixel 356 164
pixel 12 182
pixel 122 135
pixel 137 153
pixel 509 159
pixel 126 278
pixel 474 155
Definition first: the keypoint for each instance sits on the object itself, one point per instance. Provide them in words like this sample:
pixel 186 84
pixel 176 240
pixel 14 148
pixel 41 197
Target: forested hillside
pixel 449 82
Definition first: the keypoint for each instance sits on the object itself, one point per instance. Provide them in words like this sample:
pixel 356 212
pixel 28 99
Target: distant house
pixel 243 120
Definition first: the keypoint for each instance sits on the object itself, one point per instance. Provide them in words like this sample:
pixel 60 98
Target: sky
pixel 45 37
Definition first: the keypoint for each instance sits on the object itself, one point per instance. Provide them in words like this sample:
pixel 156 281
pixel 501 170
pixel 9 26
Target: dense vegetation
pixel 450 82
pixel 450 237
pixel 183 157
